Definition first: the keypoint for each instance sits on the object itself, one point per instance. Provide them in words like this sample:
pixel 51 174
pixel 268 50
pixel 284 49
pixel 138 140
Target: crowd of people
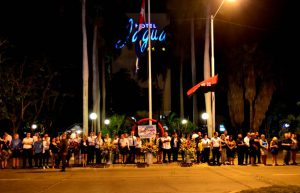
pixel 39 151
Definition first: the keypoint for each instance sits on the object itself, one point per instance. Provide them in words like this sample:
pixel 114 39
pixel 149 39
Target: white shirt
pixel 92 140
pixel 206 142
pixel 246 140
pixel 176 142
pixel 215 141
pixel 99 142
pixel 46 144
pixel 166 142
pixel 132 140
pixel 124 142
pixel 27 140
pixel 195 135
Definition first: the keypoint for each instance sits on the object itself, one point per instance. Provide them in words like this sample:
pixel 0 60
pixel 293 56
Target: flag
pixel 141 21
pixel 207 85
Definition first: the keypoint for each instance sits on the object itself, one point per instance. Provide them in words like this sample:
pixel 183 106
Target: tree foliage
pixel 28 88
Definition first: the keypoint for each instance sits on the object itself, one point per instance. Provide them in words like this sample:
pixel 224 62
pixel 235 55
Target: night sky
pixel 52 28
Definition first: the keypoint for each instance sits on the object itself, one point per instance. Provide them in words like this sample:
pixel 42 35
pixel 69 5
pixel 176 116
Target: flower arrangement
pixel 188 148
pixel 109 147
pixel 149 147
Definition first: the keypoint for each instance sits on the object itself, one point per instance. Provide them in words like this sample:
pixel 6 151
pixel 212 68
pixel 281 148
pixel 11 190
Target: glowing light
pixel 106 121
pixel 93 116
pixel 33 126
pixel 204 116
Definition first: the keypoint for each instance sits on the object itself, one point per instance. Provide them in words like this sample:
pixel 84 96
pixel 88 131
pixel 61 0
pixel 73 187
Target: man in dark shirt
pixel 286 146
pixel 64 151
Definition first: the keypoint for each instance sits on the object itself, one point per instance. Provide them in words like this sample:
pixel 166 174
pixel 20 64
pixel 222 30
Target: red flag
pixel 141 21
pixel 207 84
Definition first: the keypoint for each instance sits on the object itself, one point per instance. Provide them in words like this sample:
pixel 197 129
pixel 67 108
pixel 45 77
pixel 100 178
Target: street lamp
pixel 212 17
pixel 106 121
pixel 184 122
pixel 205 116
pixel 93 117
pixel 33 126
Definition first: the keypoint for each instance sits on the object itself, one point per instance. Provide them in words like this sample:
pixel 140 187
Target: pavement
pixel 155 178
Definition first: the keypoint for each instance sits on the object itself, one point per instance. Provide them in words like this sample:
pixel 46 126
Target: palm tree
pixel 250 86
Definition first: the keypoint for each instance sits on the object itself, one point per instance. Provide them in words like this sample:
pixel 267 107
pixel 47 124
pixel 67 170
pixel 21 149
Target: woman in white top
pixel 115 142
pixel 98 147
pixel 124 148
pixel 206 148
pixel 107 139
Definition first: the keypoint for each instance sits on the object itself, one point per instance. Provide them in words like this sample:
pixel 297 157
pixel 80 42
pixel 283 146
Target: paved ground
pixel 152 179
pixel 166 178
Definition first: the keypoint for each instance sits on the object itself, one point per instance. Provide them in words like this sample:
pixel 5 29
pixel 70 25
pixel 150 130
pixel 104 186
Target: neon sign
pixel 142 35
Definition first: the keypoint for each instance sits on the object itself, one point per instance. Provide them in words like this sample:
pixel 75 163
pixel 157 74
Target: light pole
pixel 212 17
pixel 93 117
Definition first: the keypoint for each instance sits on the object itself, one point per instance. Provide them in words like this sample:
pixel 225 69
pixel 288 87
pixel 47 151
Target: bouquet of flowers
pixel 108 147
pixel 188 148
pixel 149 147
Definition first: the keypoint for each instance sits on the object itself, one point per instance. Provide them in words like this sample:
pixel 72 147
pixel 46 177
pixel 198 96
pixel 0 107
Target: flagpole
pixel 149 67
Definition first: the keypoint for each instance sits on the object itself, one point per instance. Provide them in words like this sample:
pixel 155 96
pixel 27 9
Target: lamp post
pixel 212 17
pixel 93 117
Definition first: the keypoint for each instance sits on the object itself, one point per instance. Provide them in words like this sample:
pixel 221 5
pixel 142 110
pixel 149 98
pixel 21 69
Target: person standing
pixel 16 147
pixel 252 149
pixel 46 151
pixel 38 152
pixel 264 147
pixel 132 145
pixel 64 151
pixel 175 144
pixel 98 148
pixel 84 148
pixel 166 140
pixel 138 147
pixel 27 150
pixel 231 150
pixel 216 148
pixel 91 153
pixel 206 148
pixel 294 148
pixel 274 150
pixel 115 142
pixel 241 147
pixel 4 152
pixel 124 148
pixel 158 143
pixel 258 152
pixel 224 149
pixel 286 146
pixel 247 148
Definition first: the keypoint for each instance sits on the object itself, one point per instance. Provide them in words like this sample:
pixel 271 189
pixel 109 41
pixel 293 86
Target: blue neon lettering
pixel 141 35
